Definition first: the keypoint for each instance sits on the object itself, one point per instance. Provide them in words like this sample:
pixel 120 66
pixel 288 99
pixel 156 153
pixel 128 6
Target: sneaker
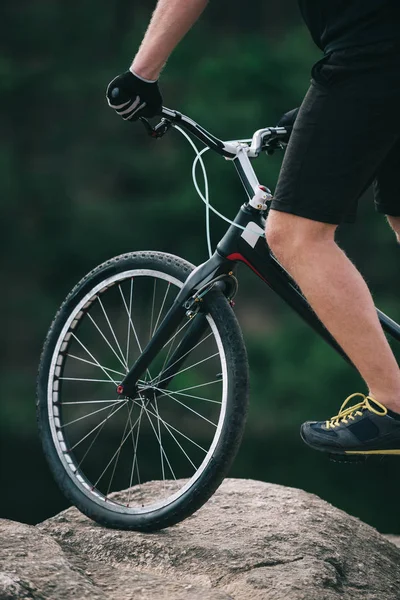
pixel 365 428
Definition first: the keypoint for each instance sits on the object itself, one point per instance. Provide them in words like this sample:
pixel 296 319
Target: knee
pixel 279 238
pixel 291 237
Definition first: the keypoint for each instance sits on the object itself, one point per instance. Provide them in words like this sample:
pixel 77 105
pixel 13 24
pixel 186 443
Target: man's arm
pixel 135 93
pixel 171 20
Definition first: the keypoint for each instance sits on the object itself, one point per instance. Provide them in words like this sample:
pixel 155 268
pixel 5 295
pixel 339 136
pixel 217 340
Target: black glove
pixel 132 97
pixel 287 121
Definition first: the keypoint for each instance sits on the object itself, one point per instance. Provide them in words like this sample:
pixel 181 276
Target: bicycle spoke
pixel 187 368
pixel 197 397
pixel 135 461
pixel 93 402
pixel 168 353
pixel 95 438
pixel 85 416
pixel 91 356
pixel 175 334
pixel 97 426
pixel 161 309
pixel 129 327
pixel 113 456
pixel 94 428
pixel 89 362
pixel 168 426
pixel 159 441
pixel 165 393
pixel 84 379
pixel 111 328
pixel 171 342
pixel 192 387
pixel 152 309
pixel 106 340
pixel 183 356
pixel 130 320
pixel 177 431
pixel 181 448
pixel 133 327
pixel 119 451
pixel 160 437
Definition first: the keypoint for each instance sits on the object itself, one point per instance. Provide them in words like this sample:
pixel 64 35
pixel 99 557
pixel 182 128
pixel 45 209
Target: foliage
pixel 78 185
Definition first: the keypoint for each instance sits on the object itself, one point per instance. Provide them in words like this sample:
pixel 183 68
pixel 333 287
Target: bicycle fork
pixel 189 302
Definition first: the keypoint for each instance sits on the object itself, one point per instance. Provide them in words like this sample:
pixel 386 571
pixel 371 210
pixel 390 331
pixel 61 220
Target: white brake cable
pixel 205 197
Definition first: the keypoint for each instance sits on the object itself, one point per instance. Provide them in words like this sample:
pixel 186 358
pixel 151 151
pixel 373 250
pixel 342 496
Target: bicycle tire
pixel 231 427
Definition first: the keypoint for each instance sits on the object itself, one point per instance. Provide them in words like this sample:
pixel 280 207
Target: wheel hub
pixel 145 393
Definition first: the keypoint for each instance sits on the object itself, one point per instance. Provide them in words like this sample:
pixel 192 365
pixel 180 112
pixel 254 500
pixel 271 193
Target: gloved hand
pixel 132 97
pixel 287 121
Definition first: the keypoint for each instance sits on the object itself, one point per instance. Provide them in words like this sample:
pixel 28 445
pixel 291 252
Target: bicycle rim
pixel 107 443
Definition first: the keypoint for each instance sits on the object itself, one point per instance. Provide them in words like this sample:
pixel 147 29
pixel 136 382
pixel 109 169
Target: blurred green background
pixel 77 186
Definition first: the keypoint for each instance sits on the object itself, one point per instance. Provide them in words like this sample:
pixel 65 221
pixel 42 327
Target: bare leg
pixel 340 297
pixel 394 223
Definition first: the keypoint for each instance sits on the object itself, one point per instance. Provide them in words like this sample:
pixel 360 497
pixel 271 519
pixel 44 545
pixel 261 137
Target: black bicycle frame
pixel 244 242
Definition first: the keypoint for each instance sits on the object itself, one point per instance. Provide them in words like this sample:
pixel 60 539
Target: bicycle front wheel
pixel 170 447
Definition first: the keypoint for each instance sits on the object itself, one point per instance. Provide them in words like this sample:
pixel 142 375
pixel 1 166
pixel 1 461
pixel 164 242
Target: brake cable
pixel 160 130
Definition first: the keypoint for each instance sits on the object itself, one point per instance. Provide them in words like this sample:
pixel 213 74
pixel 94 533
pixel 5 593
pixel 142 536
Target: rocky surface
pixel 395 539
pixel 252 541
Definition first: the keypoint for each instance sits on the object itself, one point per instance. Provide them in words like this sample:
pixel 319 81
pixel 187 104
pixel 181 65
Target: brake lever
pixel 274 146
pixel 159 130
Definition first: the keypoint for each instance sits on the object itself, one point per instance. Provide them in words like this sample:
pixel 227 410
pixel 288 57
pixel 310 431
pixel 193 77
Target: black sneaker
pixel 365 428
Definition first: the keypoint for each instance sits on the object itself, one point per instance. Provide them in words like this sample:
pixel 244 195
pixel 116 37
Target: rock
pixel 43 571
pixel 395 539
pixel 251 541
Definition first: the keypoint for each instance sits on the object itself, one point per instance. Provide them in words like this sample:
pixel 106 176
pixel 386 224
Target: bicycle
pixel 173 364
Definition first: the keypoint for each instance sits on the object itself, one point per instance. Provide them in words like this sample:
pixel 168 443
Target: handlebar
pixel 267 139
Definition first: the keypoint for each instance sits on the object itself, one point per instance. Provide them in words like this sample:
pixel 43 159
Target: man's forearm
pixel 171 20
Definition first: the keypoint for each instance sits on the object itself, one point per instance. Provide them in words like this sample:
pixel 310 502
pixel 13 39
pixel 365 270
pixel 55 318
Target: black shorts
pixel 345 138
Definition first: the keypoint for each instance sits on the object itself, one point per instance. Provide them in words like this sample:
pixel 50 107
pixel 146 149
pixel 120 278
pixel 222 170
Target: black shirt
pixel 338 24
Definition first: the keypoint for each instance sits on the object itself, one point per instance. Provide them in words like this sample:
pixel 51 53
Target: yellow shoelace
pixel 349 413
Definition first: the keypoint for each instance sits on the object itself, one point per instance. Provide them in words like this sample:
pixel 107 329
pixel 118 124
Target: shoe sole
pixel 372 452
pixel 357 459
